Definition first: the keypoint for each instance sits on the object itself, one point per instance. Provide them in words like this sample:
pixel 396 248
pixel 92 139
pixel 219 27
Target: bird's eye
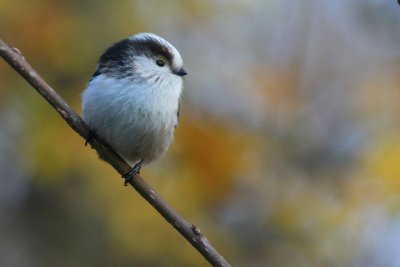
pixel 160 63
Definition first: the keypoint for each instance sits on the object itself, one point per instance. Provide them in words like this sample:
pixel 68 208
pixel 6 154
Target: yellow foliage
pixel 214 153
pixel 383 162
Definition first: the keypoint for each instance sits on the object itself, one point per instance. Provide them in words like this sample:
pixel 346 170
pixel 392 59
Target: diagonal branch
pixel 192 233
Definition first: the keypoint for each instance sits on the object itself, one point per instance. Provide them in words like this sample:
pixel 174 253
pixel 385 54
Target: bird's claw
pixel 132 172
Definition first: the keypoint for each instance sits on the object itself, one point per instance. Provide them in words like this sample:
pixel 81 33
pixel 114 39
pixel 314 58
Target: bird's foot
pixel 90 136
pixel 132 172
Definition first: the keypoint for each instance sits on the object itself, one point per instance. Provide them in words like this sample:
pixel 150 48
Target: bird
pixel 132 101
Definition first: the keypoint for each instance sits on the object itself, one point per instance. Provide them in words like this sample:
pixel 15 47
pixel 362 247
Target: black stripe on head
pixel 117 53
pixel 116 59
pixel 151 47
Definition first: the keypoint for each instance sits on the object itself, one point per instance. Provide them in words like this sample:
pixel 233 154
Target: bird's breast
pixel 136 119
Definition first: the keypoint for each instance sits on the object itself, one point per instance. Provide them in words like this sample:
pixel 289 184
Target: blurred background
pixel 287 152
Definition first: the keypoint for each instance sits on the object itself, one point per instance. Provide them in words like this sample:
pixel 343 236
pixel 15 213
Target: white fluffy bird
pixel 132 100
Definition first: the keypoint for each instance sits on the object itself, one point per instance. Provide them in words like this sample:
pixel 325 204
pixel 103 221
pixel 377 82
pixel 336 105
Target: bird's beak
pixel 180 72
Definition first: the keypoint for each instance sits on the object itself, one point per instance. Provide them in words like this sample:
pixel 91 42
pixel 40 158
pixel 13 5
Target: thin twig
pixel 192 233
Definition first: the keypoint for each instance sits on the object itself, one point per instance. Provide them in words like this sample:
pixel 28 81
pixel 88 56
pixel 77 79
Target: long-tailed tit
pixel 132 100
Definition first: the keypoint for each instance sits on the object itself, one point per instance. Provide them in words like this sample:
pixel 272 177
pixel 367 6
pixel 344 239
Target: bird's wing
pixel 177 113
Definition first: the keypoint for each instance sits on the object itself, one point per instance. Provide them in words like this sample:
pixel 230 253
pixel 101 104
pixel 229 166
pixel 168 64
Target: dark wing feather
pixel 177 113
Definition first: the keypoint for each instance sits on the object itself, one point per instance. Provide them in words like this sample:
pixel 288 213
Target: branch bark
pixel 192 233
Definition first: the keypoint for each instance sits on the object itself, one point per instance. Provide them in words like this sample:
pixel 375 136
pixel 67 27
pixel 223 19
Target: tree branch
pixel 192 233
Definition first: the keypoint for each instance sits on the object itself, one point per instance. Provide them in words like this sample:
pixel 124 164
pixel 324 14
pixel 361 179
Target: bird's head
pixel 145 57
